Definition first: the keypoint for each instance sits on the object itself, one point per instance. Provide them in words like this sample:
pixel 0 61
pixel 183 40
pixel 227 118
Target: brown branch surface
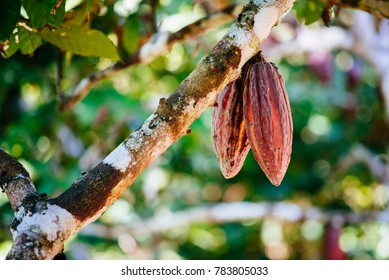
pixel 15 180
pixel 42 226
pixel 92 194
pixel 376 7
pixel 159 44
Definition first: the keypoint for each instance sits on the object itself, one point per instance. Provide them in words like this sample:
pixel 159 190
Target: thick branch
pixel 159 44
pixel 15 180
pixel 93 193
pixel 51 222
pixel 40 230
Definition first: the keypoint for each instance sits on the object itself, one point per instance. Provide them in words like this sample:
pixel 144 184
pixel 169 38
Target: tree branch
pixel 254 211
pixel 41 227
pixel 90 196
pixel 15 180
pixel 158 44
pixel 378 8
pixel 231 212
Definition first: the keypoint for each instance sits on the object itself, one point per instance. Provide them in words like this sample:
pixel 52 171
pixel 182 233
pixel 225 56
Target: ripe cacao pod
pixel 229 132
pixel 268 119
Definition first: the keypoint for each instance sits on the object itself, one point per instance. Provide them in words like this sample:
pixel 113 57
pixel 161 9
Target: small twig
pixel 158 44
pixel 25 26
pixel 59 2
pixel 154 4
pixel 359 153
pixel 44 229
pixel 232 212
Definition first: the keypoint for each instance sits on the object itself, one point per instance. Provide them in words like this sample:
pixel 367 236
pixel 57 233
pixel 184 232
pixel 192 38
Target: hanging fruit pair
pixel 254 111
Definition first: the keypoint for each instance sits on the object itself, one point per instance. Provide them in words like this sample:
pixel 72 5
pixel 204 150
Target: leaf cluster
pixel 26 25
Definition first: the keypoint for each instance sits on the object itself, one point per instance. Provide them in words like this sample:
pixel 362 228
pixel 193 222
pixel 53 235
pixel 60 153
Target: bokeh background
pixel 332 202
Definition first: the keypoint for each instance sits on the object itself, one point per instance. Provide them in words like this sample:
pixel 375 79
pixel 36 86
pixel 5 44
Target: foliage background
pixel 336 103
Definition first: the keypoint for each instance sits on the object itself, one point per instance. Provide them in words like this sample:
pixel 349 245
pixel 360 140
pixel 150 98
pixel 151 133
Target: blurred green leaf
pixel 80 14
pixel 10 11
pixel 49 4
pixel 78 40
pixel 309 10
pixel 28 41
pixel 12 47
pixel 132 34
pixel 328 120
pixel 40 13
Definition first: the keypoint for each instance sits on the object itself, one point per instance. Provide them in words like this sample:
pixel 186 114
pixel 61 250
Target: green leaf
pixel 131 34
pixel 309 10
pixel 49 4
pixel 78 40
pixel 40 12
pixel 10 11
pixel 12 46
pixel 80 14
pixel 28 41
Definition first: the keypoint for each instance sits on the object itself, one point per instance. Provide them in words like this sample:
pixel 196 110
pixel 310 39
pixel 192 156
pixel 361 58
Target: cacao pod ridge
pixel 268 119
pixel 230 140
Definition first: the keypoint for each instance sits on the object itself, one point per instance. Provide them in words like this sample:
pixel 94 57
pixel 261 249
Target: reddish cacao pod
pixel 268 119
pixel 229 133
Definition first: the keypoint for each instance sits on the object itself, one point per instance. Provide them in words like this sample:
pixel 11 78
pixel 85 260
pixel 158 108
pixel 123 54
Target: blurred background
pixel 332 203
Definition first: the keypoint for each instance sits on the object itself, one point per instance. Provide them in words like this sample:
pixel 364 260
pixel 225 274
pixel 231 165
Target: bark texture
pixel 42 226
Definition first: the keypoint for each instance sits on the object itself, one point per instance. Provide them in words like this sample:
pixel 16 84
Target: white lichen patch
pixel 21 176
pixel 17 177
pixel 119 158
pixel 246 42
pixel 264 20
pixel 239 35
pixel 149 125
pixel 136 139
pixel 56 223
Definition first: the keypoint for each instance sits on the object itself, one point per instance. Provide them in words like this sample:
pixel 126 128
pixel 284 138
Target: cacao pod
pixel 229 133
pixel 268 119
